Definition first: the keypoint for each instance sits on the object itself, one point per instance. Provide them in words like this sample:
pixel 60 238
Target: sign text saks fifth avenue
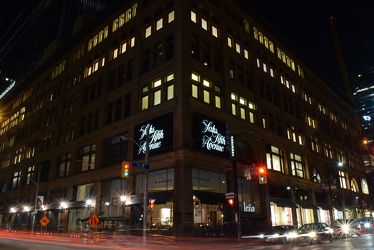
pixel 155 138
pixel 212 139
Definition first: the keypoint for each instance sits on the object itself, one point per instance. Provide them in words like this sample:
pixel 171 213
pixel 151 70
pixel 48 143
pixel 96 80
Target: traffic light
pixel 125 169
pixel 262 179
pixel 231 201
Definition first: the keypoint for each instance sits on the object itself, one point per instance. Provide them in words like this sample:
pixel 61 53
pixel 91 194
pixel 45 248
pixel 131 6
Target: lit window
pixel 195 92
pixel 115 53
pixel 171 17
pixel 132 42
pixel 156 83
pixel 204 24
pixel 157 97
pixel 206 83
pixel 195 77
pixel 144 102
pixel 193 16
pixel 170 92
pixel 123 47
pixel 218 102
pixel 229 42
pixel 234 97
pixel 148 31
pixel 206 96
pixel 233 108
pixel 246 54
pixel 159 24
pixel 242 113
pixel 237 47
pixel 170 77
pixel 214 31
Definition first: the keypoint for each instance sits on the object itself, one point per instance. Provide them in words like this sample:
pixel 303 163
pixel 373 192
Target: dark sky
pixel 304 23
pixel 307 25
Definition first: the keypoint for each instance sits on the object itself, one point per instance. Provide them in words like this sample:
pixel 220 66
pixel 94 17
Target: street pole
pixel 36 201
pixel 145 200
pixel 235 183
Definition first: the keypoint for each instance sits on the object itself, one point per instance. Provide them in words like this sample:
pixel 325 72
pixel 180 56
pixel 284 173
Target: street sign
pixel 44 221
pixel 93 220
pixel 140 165
pixel 230 195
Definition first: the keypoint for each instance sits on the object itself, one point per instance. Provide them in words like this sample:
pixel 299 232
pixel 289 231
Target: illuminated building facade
pixel 192 74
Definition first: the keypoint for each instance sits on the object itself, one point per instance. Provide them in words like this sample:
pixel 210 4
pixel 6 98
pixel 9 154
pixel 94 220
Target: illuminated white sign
pixel 212 139
pixel 7 89
pixel 248 208
pixel 155 138
pixel 367 118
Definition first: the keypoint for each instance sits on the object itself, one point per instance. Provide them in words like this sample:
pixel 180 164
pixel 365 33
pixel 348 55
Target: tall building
pixel 197 97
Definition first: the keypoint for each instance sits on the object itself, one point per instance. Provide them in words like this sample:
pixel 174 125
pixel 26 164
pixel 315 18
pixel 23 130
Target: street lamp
pixel 36 201
pixel 331 185
pixel 145 198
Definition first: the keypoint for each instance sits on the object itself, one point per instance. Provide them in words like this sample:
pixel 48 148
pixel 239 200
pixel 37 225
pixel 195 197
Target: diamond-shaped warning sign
pixel 93 220
pixel 44 221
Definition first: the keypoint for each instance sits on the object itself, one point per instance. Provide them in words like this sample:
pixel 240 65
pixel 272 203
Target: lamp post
pixel 330 186
pixel 36 201
pixel 145 197
pixel 235 178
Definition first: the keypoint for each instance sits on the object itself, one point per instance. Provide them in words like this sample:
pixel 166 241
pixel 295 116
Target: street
pixel 22 241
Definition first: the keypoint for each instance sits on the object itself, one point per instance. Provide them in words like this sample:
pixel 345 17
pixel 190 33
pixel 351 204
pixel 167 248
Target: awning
pixel 210 198
pixel 159 197
pixel 283 202
pixel 307 205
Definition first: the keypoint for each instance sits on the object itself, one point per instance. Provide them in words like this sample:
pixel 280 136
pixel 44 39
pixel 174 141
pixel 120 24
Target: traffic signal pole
pixel 236 205
pixel 145 198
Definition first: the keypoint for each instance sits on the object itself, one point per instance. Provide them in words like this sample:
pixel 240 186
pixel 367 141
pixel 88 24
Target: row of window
pixel 158 91
pixel 204 89
pixel 274 160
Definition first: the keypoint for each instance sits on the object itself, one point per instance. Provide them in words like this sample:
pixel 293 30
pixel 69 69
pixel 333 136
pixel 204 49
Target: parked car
pixel 311 233
pixel 346 228
pixel 278 233
pixel 367 224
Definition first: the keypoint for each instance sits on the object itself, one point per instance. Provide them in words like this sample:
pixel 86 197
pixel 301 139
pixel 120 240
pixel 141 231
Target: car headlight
pixel 367 225
pixel 312 234
pixel 345 228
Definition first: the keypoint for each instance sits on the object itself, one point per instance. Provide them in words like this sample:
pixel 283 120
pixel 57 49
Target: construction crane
pixel 344 72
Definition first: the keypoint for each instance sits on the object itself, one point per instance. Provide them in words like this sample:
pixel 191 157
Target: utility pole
pixel 145 198
pixel 36 201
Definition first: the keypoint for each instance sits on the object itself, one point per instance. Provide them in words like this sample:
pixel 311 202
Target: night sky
pixel 307 25
pixel 304 23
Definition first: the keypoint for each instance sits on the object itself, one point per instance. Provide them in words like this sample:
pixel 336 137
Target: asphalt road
pixel 17 241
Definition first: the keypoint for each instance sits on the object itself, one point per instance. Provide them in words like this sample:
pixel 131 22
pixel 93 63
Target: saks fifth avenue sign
pixel 160 134
pixel 156 137
pixel 209 135
pixel 212 139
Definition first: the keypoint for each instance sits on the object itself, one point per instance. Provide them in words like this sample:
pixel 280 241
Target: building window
pixel 171 16
pixel 148 31
pixel 316 176
pixel 214 31
pixel 343 179
pixel 144 102
pixel 16 179
pixel 274 158
pixel 30 175
pixel 195 91
pixel 88 155
pixel 204 24
pixel 159 24
pixel 64 168
pixel 193 16
pixel 297 166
